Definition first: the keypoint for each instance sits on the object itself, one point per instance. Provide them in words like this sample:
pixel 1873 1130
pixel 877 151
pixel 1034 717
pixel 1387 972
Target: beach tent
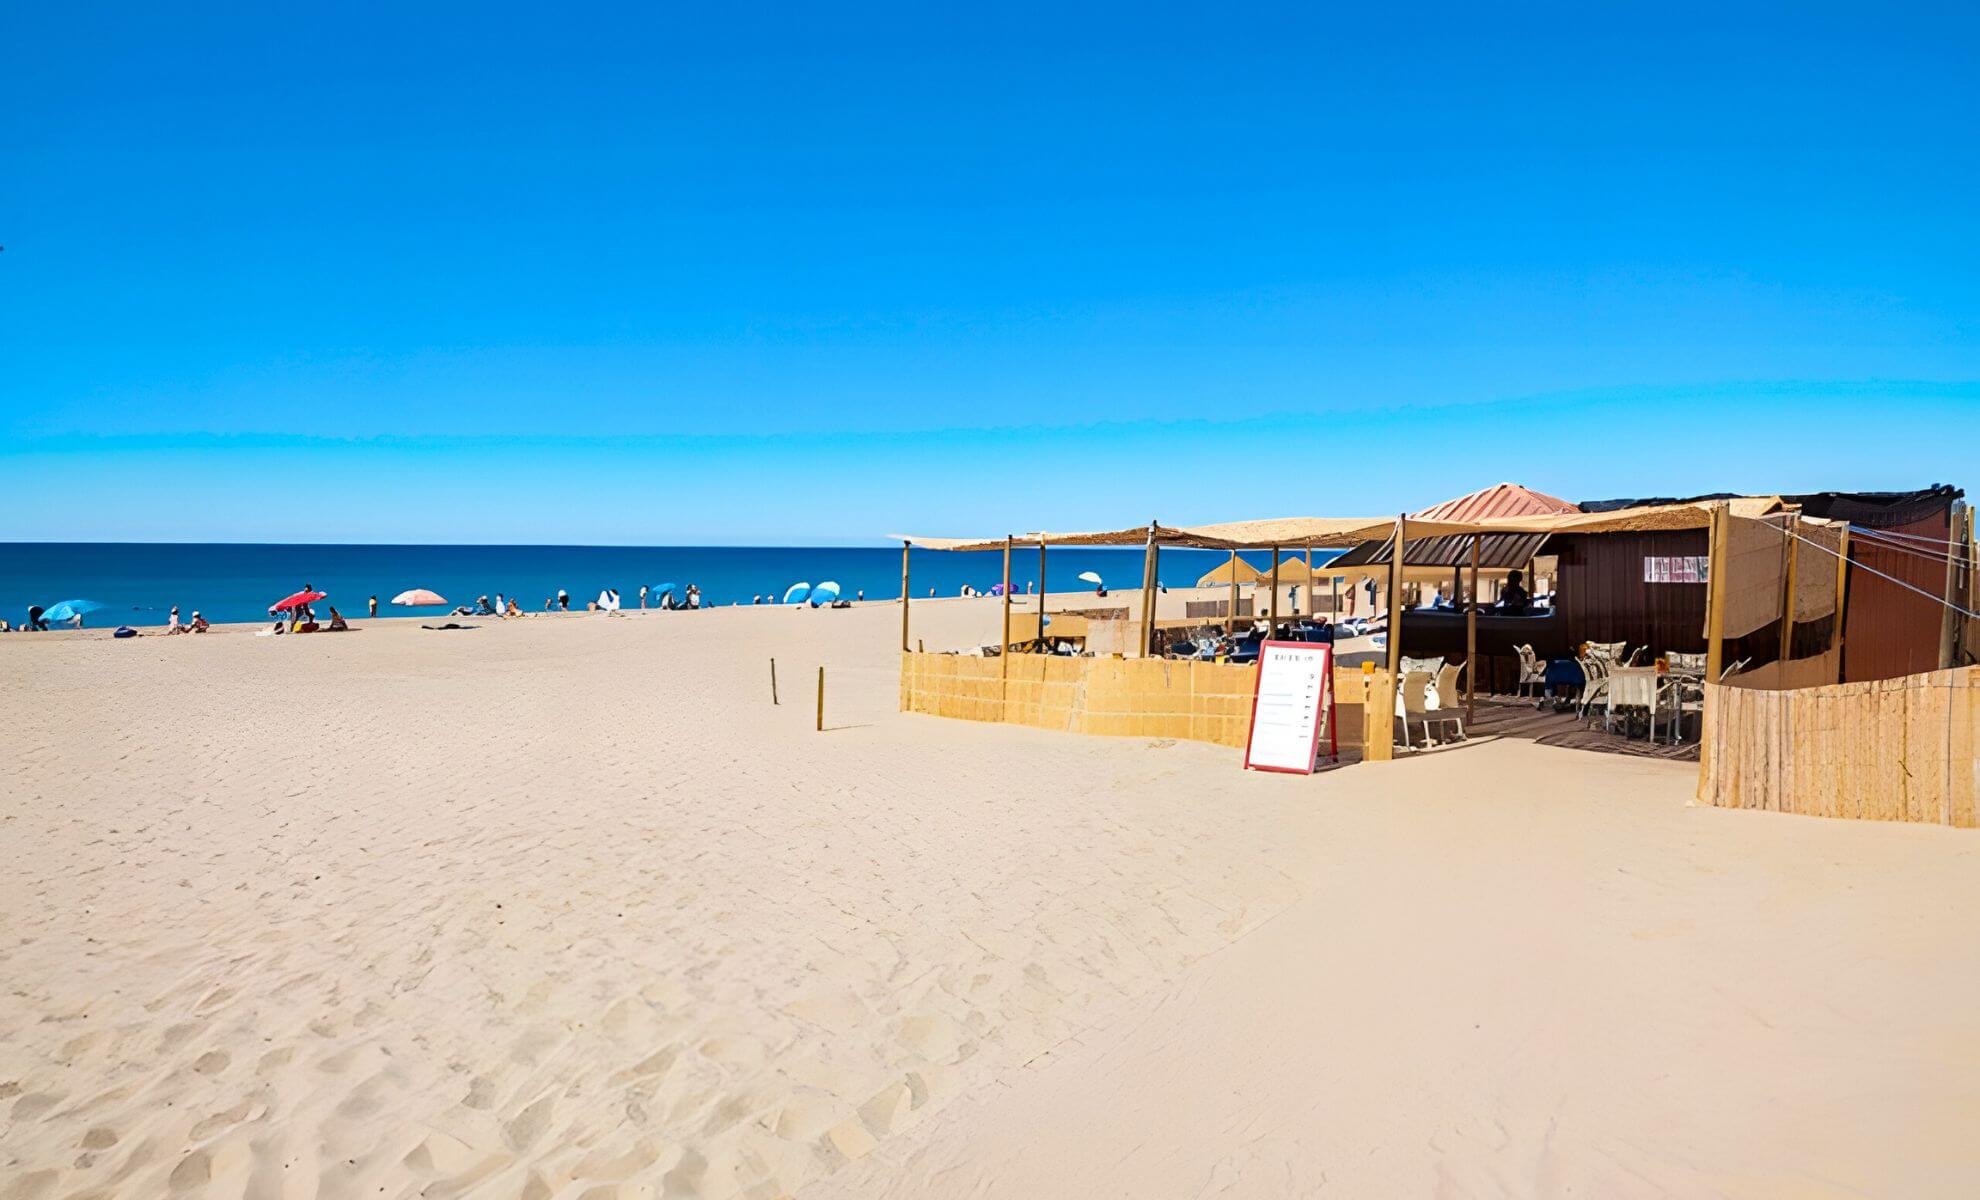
pixel 796 593
pixel 1224 575
pixel 824 594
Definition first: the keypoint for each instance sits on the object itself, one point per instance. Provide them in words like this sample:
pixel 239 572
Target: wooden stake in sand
pixel 773 681
pixel 821 699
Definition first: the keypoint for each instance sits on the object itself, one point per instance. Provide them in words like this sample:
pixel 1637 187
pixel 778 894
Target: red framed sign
pixel 1292 703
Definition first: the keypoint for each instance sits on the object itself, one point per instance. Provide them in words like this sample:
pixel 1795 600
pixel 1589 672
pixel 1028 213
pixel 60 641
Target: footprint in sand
pixel 212 1062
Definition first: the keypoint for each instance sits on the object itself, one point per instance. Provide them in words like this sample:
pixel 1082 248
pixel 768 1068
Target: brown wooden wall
pixel 1602 597
pixel 1890 631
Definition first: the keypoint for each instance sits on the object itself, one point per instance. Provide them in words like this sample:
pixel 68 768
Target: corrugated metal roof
pixel 1495 551
pixel 1499 500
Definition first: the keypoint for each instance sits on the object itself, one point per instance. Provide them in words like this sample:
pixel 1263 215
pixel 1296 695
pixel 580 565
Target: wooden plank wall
pixel 1118 697
pixel 1891 750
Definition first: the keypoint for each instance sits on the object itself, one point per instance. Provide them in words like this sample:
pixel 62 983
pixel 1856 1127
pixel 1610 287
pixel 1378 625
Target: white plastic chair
pixel 1413 700
pixel 1594 683
pixel 1531 671
pixel 1632 687
pixel 1449 699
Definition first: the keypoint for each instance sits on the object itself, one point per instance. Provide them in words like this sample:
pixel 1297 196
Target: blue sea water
pixel 140 582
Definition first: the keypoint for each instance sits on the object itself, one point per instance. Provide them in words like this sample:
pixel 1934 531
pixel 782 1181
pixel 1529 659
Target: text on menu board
pixel 1292 706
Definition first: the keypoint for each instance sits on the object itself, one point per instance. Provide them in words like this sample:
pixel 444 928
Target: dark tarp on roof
pixel 1878 509
pixel 1496 551
pixel 1862 508
pixel 1602 506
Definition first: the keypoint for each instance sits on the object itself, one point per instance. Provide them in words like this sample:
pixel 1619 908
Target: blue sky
pixel 648 275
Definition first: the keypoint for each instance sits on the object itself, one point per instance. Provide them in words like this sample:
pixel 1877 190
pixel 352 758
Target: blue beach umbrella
pixel 824 594
pixel 659 590
pixel 796 593
pixel 69 610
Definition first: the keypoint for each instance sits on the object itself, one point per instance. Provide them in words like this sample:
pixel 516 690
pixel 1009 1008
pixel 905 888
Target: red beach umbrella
pixel 296 601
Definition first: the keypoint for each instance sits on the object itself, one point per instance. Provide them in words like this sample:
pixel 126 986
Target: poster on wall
pixel 1292 705
pixel 1675 569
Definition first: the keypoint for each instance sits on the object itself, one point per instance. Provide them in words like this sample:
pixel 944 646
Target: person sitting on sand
pixel 515 610
pixel 337 623
pixel 172 622
pixel 199 624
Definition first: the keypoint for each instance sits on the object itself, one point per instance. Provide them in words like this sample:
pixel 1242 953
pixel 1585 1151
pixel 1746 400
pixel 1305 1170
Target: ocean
pixel 139 582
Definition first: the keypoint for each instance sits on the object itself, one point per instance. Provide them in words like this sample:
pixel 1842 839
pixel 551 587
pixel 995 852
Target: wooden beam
pixel 1787 597
pixel 1148 594
pixel 1272 622
pixel 1949 617
pixel 1005 646
pixel 1842 599
pixel 1312 602
pixel 1715 597
pixel 1041 591
pixel 904 596
pixel 1471 640
pixel 1230 615
pixel 1395 625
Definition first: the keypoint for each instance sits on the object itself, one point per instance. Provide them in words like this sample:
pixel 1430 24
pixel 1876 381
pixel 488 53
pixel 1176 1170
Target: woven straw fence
pixel 1893 750
pixel 1157 698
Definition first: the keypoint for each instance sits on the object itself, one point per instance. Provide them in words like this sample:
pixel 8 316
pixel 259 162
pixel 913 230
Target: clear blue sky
pixel 645 274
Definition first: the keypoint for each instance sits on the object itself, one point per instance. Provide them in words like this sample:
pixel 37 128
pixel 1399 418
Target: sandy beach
pixel 565 907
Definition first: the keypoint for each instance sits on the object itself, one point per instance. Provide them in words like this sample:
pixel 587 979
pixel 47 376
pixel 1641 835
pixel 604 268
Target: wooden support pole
pixel 1312 600
pixel 1787 597
pixel 1395 624
pixel 1272 622
pixel 1842 599
pixel 821 699
pixel 1715 597
pixel 1148 594
pixel 1471 640
pixel 773 681
pixel 1949 618
pixel 1041 592
pixel 904 596
pixel 1230 613
pixel 1004 647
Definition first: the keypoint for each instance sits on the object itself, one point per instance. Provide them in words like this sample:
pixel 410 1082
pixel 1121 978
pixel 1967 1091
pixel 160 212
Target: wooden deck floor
pixel 1508 717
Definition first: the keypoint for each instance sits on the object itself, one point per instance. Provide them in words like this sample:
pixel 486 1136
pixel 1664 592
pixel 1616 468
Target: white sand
pixel 564 907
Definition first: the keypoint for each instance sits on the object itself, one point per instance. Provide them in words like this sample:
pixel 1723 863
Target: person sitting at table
pixel 1513 598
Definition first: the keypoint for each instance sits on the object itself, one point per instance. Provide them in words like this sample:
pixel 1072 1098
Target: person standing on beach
pixel 374 607
pixel 642 597
pixel 172 624
pixel 563 600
